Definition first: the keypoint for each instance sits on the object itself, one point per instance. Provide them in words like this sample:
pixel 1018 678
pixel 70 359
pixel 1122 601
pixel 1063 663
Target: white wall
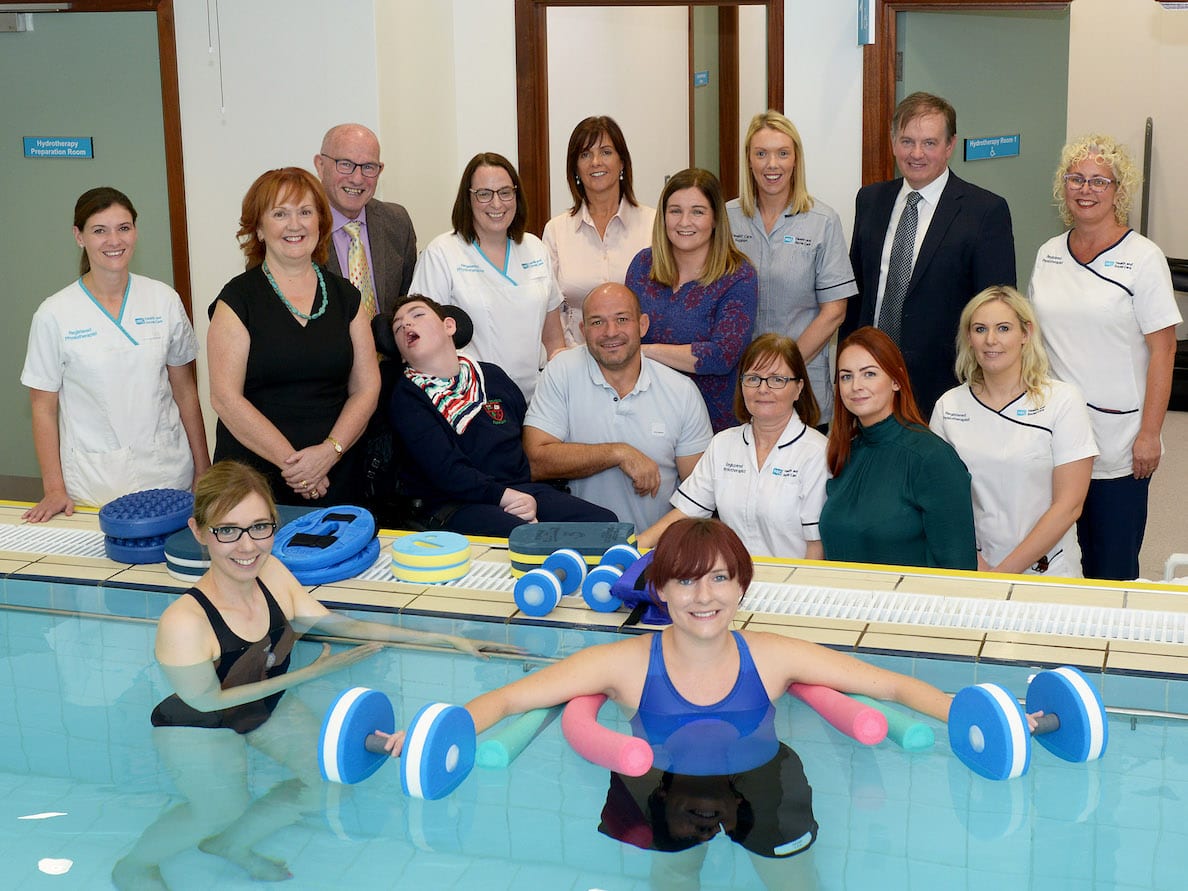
pixel 1128 60
pixel 630 64
pixel 258 95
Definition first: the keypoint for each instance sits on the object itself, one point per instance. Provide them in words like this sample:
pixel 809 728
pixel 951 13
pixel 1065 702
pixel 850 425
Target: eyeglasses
pixel 773 381
pixel 1076 182
pixel 484 196
pixel 346 166
pixel 232 534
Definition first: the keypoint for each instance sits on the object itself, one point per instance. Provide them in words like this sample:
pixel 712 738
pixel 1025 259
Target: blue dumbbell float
pixel 439 744
pixel 988 728
pixel 596 589
pixel 538 591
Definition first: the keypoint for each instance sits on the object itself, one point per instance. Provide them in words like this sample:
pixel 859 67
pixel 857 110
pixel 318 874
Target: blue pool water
pixel 75 695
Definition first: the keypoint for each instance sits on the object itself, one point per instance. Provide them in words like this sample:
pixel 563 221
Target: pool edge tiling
pixel 86 583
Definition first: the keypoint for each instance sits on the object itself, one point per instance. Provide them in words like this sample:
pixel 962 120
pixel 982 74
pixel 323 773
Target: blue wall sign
pixel 986 147
pixel 59 147
pixel 866 22
pixel 701 78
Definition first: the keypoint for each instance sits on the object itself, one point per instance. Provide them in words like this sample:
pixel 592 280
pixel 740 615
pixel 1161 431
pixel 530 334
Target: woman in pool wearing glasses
pixel 765 478
pixel 225 647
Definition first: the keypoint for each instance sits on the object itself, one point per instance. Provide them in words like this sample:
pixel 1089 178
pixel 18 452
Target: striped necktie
pixel 357 270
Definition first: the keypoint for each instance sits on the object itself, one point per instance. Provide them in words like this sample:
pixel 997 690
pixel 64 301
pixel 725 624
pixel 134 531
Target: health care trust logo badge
pixel 494 410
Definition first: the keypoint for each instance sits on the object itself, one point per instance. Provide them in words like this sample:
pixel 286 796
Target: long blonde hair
pixel 799 199
pixel 1036 369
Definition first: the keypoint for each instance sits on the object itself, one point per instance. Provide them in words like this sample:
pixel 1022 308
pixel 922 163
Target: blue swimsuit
pixel 730 736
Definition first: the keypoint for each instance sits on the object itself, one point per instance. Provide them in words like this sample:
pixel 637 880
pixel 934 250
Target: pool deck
pixel 75 581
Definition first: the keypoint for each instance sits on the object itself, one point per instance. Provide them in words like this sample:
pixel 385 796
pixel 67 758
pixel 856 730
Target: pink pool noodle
pixel 605 747
pixel 865 724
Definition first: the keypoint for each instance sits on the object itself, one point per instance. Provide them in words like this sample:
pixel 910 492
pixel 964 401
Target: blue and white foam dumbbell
pixel 596 589
pixel 988 728
pixel 538 591
pixel 439 744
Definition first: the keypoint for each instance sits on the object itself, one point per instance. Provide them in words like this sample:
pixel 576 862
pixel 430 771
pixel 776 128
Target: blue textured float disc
pixel 1067 693
pixel 351 718
pixel 438 751
pixel 135 550
pixel 147 514
pixel 988 732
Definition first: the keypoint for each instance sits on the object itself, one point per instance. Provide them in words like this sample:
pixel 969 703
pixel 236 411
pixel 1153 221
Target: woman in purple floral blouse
pixel 698 290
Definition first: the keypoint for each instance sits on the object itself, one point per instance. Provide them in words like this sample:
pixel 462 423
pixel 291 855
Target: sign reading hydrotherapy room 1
pixel 59 147
pixel 986 147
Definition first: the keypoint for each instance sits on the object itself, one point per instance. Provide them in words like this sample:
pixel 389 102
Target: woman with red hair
pixel 899 493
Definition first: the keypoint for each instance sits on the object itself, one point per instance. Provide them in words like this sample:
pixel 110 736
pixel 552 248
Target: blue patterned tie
pixel 899 269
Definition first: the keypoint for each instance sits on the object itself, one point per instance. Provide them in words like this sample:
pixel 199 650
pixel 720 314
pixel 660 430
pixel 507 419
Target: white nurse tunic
pixel 507 305
pixel 1010 455
pixel 119 426
pixel 774 508
pixel 1094 317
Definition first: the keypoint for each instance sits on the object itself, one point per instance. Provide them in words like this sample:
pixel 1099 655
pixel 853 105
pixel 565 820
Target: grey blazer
pixel 393 251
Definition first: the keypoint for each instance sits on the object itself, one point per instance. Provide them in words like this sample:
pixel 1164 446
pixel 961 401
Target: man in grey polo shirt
pixel 624 429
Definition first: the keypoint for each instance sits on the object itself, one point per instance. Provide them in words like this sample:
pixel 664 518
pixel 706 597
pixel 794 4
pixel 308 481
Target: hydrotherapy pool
pixel 81 781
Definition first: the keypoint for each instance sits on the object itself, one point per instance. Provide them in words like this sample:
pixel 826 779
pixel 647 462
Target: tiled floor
pixel 120 586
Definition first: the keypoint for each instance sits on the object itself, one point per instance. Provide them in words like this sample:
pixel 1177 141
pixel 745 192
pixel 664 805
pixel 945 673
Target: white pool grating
pixel 935 611
pixel 920 610
pixel 33 539
pixel 483 575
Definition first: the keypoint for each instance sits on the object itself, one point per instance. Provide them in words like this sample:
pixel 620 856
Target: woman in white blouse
pixel 595 240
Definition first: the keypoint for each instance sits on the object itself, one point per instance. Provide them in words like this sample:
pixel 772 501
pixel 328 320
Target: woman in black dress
pixel 293 373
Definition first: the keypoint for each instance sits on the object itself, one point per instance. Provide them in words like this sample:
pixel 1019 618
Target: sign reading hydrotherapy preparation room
pixel 984 148
pixel 59 147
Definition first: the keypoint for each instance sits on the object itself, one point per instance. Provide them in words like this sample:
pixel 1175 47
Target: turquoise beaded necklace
pixel 294 310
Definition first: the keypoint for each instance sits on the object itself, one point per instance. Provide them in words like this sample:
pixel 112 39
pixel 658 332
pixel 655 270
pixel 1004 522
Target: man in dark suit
pixel 382 233
pixel 924 245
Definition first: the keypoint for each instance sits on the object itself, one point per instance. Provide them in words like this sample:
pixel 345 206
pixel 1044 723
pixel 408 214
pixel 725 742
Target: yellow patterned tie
pixel 357 270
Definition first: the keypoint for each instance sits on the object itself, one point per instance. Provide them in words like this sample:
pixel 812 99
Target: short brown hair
pixel 224 485
pixel 690 548
pixel 462 217
pixel 269 188
pixel 583 137
pixel 764 349
pixel 917 104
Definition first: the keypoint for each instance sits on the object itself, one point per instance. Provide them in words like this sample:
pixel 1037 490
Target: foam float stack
pixel 531 544
pixel 431 558
pixel 135 526
pixel 328 545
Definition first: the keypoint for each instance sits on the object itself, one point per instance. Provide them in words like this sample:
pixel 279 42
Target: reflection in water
pixel 768 810
pixel 219 816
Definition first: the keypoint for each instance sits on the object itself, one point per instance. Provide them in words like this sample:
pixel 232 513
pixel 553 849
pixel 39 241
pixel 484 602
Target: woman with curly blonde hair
pixel 1025 438
pixel 1103 295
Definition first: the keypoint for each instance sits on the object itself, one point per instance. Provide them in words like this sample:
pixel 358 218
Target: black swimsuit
pixel 241 662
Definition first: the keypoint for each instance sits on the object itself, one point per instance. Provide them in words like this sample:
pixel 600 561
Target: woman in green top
pixel 899 493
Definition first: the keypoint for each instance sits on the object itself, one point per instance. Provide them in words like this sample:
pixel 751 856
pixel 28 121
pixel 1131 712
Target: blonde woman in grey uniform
pixel 1025 437
pixel 797 246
